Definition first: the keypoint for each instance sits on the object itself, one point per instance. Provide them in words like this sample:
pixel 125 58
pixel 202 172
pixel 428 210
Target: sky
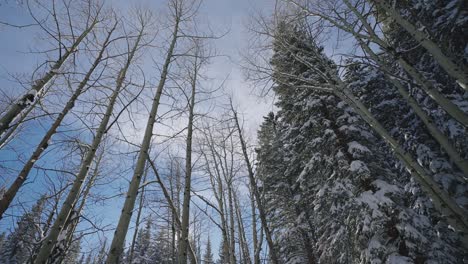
pixel 223 15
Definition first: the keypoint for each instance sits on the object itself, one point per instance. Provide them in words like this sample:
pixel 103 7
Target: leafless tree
pixel 67 44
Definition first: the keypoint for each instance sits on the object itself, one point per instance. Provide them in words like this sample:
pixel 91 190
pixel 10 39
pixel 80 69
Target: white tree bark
pixel 188 170
pixel 443 141
pixel 253 184
pixel 29 98
pixel 453 110
pixel 43 144
pixel 173 209
pixel 72 197
pixel 116 247
pixel 460 73
pixel 453 213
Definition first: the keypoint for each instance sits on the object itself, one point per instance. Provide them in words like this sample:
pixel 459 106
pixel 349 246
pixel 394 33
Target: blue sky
pixel 16 59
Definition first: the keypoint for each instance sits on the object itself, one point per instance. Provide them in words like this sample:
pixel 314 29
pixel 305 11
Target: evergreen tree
pixel 208 256
pixel 2 241
pixel 21 244
pixel 330 188
pixel 142 252
pixel 222 257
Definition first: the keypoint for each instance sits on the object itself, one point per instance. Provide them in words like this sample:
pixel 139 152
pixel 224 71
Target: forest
pixel 225 132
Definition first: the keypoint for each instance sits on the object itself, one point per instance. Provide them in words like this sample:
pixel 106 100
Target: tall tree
pixel 117 244
pixel 193 80
pixel 75 190
pixel 208 256
pixel 20 245
pixel 7 198
pixel 92 17
pixel 318 149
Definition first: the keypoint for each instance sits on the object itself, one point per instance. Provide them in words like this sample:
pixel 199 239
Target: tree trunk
pixel 7 136
pixel 116 247
pixel 443 141
pixel 72 197
pixel 232 237
pixel 460 73
pixel 29 98
pixel 219 194
pixel 256 246
pixel 273 254
pixel 243 245
pixel 451 108
pixel 454 215
pixel 188 173
pixel 22 176
pixel 137 223
pixel 172 207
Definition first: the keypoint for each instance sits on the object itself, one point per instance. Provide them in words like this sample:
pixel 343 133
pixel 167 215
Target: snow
pixel 396 259
pixel 32 92
pixel 358 166
pixel 375 200
pixel 356 148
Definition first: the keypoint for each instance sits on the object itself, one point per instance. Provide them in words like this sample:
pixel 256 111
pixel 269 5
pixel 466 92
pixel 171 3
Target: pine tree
pixel 327 181
pixel 221 254
pixel 21 244
pixel 143 244
pixel 208 256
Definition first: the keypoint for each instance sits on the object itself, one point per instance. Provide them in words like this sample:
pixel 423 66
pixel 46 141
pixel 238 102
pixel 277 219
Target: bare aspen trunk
pixel 7 136
pixel 432 128
pixel 452 109
pixel 170 198
pixel 175 214
pixel 137 223
pixel 70 202
pixel 443 141
pixel 243 245
pixel 188 173
pixel 22 176
pixel 460 73
pixel 219 194
pixel 116 247
pixel 273 255
pixel 256 247
pixel 72 197
pixel 449 107
pixel 85 195
pixel 452 212
pixel 29 98
pixel 232 243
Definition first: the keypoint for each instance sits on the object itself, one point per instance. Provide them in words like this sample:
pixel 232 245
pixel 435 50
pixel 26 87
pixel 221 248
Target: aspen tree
pixel 253 185
pixel 72 197
pixel 460 73
pixel 117 244
pixel 173 209
pixel 43 144
pixel 188 158
pixel 29 98
pixel 137 223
